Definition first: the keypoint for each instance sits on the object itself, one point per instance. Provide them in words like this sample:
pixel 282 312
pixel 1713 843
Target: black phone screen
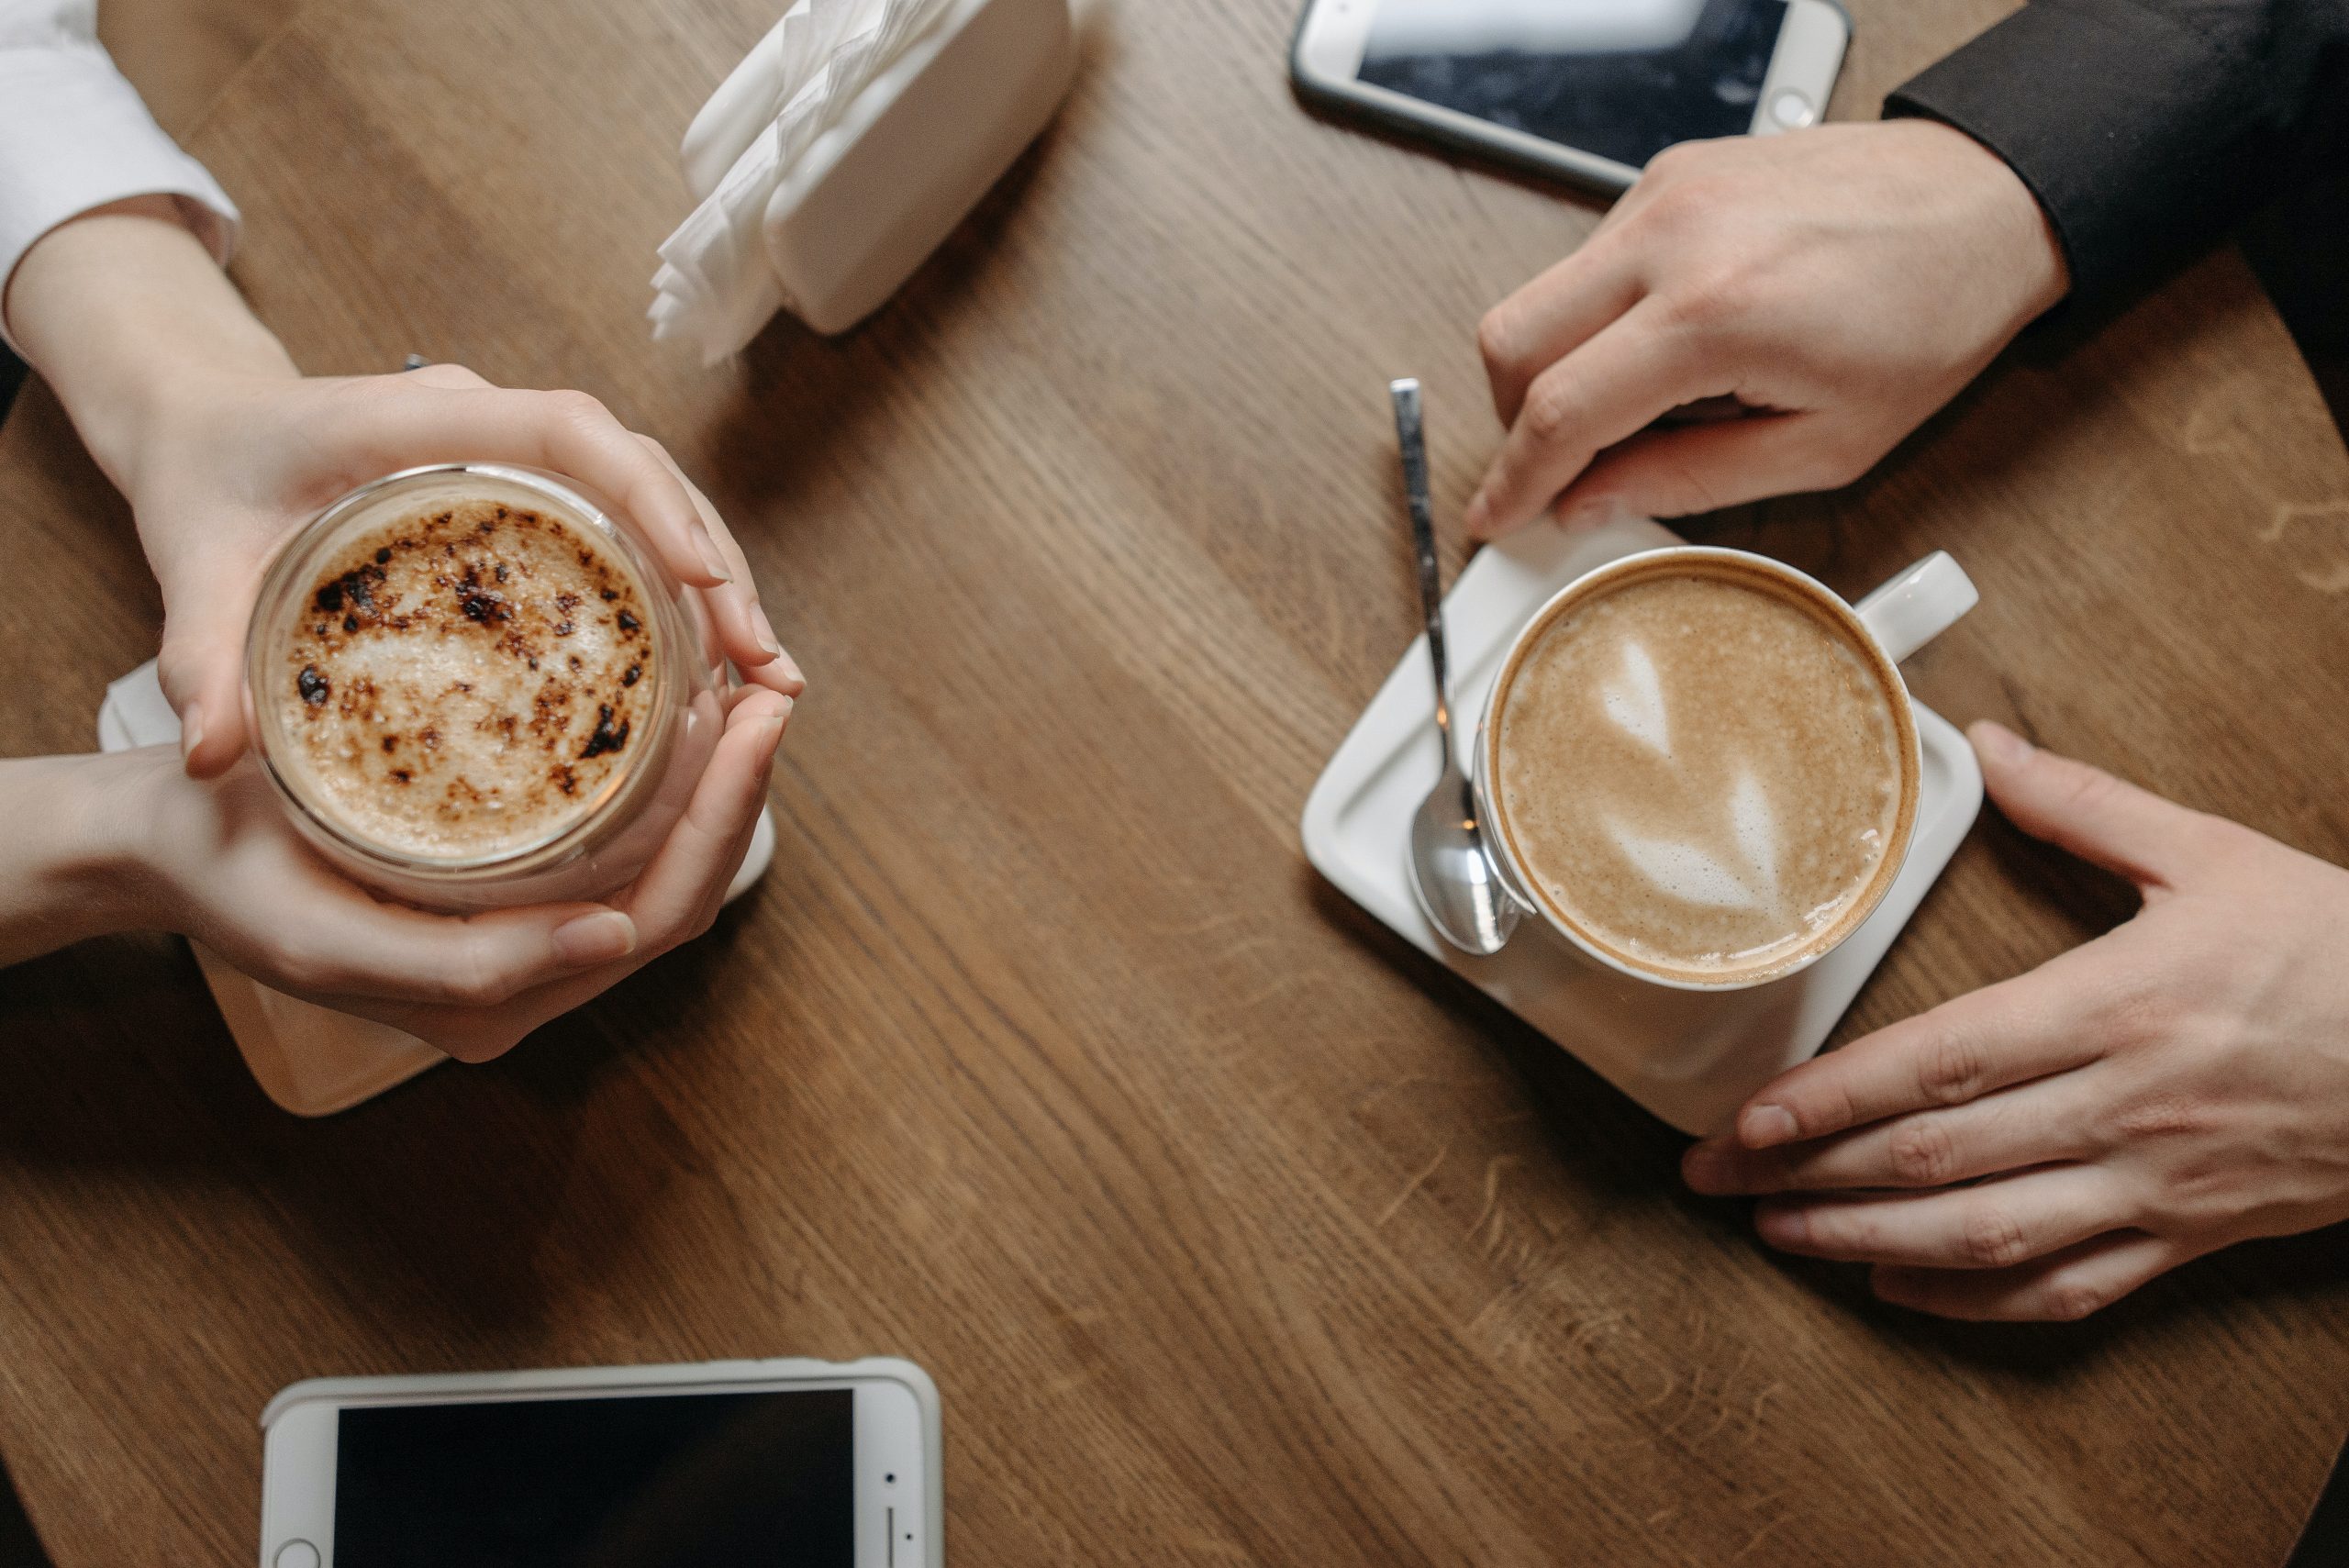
pixel 1624 79
pixel 759 1480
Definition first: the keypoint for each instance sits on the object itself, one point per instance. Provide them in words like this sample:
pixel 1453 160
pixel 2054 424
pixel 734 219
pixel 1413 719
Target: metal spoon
pixel 1451 875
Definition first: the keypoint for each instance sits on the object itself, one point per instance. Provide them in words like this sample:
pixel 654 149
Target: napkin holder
pixel 915 151
pixel 309 1060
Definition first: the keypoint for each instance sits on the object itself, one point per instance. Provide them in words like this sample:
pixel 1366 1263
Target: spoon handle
pixel 1411 437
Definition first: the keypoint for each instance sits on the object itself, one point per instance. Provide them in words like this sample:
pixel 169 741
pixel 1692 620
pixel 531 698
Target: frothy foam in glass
pixel 464 681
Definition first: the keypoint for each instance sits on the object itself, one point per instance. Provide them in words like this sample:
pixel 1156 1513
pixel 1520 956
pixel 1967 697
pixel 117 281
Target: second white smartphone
pixel 782 1463
pixel 1586 89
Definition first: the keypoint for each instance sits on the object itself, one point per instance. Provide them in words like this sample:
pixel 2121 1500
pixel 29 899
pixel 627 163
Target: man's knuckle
pixel 1497 340
pixel 2139 1010
pixel 1699 303
pixel 2068 1301
pixel 1552 411
pixel 1991 1239
pixel 1686 199
pixel 2168 1113
pixel 1950 1067
pixel 1721 304
pixel 1922 1153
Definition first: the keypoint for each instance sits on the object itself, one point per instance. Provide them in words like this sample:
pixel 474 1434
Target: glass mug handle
pixel 1919 605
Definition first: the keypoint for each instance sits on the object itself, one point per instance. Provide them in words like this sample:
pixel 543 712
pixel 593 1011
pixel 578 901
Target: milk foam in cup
pixel 1701 768
pixel 473 686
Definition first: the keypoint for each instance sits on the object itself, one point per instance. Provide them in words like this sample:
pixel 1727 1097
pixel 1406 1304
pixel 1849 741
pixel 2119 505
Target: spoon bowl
pixel 1451 877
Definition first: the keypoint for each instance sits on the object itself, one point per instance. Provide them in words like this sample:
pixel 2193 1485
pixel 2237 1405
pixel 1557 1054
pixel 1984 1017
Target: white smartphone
pixel 1587 90
pixel 785 1463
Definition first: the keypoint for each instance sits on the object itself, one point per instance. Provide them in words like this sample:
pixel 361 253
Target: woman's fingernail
pixel 1705 1168
pixel 774 646
pixel 764 630
pixel 711 561
pixel 595 938
pixel 191 730
pixel 1765 1126
pixel 1781 1227
pixel 774 723
pixel 2001 744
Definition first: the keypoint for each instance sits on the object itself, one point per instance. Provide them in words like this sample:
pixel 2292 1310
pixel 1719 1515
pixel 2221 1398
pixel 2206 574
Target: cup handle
pixel 1919 606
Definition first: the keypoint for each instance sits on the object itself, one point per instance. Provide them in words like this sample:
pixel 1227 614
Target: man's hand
pixel 1796 304
pixel 2043 1146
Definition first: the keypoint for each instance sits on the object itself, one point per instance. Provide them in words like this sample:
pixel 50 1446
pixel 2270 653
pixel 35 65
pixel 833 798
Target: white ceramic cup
pixel 1893 622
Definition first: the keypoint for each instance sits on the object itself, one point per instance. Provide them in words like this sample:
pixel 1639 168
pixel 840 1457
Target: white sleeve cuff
pixel 73 136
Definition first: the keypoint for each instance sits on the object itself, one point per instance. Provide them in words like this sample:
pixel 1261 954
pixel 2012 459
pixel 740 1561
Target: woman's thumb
pixel 203 674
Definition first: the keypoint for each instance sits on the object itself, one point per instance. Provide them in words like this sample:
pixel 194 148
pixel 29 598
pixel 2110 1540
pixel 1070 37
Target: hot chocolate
pixel 1702 770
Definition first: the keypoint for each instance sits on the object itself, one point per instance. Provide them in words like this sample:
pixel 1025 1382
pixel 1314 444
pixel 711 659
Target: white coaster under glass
pixel 1689 1057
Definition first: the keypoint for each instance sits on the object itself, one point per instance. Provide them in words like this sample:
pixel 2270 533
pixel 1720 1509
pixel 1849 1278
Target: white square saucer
pixel 311 1060
pixel 1691 1058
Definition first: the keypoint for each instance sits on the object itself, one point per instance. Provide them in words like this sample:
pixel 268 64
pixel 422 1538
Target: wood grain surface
pixel 1232 1230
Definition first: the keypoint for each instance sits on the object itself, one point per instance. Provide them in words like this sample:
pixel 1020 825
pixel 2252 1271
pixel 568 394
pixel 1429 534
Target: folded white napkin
pixel 715 286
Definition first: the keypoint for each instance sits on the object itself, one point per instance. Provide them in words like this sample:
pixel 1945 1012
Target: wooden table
pixel 1233 1230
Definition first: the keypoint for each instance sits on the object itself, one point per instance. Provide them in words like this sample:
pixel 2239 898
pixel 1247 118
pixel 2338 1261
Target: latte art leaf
pixel 1689 873
pixel 1757 830
pixel 1635 701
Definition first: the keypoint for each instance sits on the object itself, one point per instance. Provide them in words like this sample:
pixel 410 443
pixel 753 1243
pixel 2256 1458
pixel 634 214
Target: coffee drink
pixel 462 680
pixel 1703 769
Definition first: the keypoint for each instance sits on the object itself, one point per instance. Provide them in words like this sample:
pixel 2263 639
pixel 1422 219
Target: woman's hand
pixel 1800 303
pixel 243 462
pixel 2043 1146
pixel 217 861
pixel 224 448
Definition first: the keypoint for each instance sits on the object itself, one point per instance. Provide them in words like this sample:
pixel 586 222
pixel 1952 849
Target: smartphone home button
pixel 296 1554
pixel 1791 109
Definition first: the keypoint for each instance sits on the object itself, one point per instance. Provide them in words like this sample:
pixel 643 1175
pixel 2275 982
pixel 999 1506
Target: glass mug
pixel 632 809
pixel 1888 624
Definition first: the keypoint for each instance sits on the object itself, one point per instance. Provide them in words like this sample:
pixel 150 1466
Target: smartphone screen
pixel 645 1481
pixel 1624 79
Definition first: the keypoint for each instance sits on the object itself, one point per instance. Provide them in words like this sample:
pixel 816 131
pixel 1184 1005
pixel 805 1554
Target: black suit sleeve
pixel 2147 128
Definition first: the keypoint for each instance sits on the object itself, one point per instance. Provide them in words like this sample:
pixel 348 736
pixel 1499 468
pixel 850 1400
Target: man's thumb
pixel 2104 820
